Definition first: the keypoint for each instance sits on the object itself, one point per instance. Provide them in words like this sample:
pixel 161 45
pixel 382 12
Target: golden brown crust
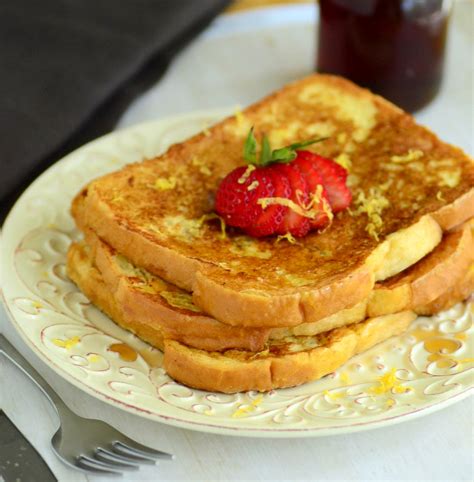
pixel 148 316
pixel 146 224
pixel 449 298
pixel 91 284
pixel 428 279
pixel 231 373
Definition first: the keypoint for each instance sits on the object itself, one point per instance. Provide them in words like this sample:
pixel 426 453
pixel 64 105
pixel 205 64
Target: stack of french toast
pixel 235 312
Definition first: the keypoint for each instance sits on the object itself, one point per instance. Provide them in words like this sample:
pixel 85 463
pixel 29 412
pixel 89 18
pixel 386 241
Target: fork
pixel 82 443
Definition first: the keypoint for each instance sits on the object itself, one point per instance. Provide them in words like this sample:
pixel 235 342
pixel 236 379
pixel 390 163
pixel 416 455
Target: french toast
pixel 286 363
pixel 283 362
pixel 200 361
pixel 408 188
pixel 145 300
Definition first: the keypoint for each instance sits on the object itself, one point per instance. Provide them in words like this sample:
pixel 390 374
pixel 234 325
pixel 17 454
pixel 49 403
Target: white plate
pixel 75 339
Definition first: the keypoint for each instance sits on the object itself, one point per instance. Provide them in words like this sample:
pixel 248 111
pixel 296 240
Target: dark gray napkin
pixel 68 69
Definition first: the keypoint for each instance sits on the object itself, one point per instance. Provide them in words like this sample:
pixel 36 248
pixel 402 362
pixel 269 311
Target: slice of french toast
pixel 286 363
pixel 408 187
pixel 142 299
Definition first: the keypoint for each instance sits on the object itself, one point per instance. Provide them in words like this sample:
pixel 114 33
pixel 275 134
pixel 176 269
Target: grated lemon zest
pixel 253 185
pixel 246 409
pixel 449 178
pixel 165 184
pixel 333 395
pixel 344 160
pixel 345 378
pixel 239 116
pixel 308 210
pixel 411 155
pixel 68 343
pixel 439 196
pixel 209 217
pixel 389 382
pixel 246 174
pixel 372 205
pixel 288 236
pixel 203 169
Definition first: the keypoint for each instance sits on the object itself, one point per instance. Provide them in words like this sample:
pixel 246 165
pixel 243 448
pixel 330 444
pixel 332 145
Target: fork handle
pixel 12 354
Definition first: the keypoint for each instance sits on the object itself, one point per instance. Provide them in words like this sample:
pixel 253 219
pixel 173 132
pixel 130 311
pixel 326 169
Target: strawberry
pixel 314 179
pixel 292 222
pixel 334 179
pixel 283 191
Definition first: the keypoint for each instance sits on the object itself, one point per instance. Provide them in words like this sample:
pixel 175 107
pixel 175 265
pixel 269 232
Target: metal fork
pixel 83 443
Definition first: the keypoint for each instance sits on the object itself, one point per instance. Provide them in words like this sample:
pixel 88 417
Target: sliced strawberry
pixel 272 216
pixel 235 202
pixel 292 222
pixel 315 183
pixel 334 179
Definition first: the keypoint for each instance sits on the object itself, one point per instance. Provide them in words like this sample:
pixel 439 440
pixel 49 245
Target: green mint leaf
pixel 266 152
pixel 250 148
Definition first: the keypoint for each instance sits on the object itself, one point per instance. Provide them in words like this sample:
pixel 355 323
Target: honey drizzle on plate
pixel 439 347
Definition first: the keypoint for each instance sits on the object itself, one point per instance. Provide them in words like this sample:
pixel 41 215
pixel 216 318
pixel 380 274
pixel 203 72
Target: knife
pixel 19 460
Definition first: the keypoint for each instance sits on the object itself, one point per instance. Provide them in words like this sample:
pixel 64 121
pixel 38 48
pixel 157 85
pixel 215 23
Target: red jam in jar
pixel 393 47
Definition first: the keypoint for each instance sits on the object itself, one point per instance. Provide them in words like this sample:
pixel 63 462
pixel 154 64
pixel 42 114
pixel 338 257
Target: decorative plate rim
pixel 351 426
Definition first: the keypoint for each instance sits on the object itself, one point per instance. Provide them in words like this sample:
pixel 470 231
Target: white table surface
pixel 213 72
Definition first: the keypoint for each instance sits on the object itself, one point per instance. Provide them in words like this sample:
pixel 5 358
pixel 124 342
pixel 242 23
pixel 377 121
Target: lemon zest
pixel 239 115
pixel 333 395
pixel 449 178
pixel 439 196
pixel 308 210
pixel 253 185
pixel 372 205
pixel 411 155
pixel 203 168
pixel 389 382
pixel 211 216
pixel 68 343
pixel 344 161
pixel 288 236
pixel 246 174
pixel 246 409
pixel 345 378
pixel 165 184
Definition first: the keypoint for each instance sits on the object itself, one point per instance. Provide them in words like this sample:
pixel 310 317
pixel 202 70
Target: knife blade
pixel 19 460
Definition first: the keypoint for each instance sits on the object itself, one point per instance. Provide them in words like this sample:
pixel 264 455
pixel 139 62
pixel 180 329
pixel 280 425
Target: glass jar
pixel 393 47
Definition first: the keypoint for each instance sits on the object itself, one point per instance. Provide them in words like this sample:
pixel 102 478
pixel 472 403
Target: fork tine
pixel 143 451
pixel 124 451
pixel 93 465
pixel 125 463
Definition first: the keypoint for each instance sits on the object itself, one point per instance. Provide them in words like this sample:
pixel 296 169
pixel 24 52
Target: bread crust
pixel 228 373
pixel 428 279
pixel 151 320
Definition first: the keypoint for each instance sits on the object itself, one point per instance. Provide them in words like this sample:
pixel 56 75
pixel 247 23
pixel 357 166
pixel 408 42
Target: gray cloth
pixel 68 69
